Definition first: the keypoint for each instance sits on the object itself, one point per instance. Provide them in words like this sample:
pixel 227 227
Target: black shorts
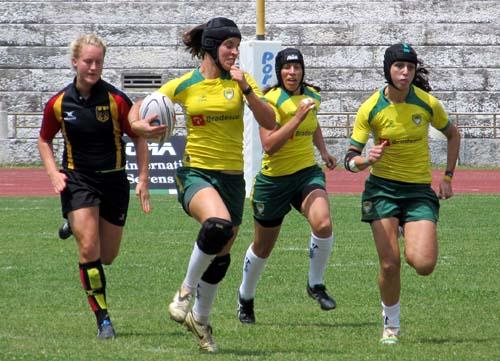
pixel 108 191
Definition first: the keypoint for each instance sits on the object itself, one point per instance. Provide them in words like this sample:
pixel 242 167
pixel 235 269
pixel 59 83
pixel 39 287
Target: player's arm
pixel 57 179
pixel 50 127
pixel 262 112
pixel 272 140
pixel 319 143
pixel 355 162
pixel 453 137
pixel 141 189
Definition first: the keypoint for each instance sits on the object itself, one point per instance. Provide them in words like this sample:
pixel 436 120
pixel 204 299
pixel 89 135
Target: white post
pixel 4 134
pixel 256 58
pixel 4 128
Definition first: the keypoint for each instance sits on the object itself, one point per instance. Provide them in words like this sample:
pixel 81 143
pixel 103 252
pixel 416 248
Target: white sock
pixel 203 302
pixel 198 264
pixel 391 315
pixel 252 268
pixel 320 250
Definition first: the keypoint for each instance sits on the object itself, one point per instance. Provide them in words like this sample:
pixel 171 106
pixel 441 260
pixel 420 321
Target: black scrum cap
pixel 285 56
pixel 398 52
pixel 216 31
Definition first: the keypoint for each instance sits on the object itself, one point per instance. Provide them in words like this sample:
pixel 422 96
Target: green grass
pixel 451 315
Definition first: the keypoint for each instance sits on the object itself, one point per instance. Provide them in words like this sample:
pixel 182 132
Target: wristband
pixel 248 90
pixel 448 175
pixel 352 166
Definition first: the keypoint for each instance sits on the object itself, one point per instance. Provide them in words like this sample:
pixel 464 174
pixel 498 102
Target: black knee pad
pixel 217 269
pixel 214 235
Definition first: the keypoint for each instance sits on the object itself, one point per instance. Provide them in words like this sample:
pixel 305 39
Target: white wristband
pixel 352 166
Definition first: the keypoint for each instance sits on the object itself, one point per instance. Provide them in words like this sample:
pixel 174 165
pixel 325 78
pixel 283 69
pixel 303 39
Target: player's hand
pixel 142 191
pixel 304 107
pixel 445 189
pixel 238 76
pixel 145 129
pixel 58 180
pixel 376 152
pixel 330 160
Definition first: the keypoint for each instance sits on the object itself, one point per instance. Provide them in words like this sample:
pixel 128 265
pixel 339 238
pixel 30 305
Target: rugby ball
pixel 157 103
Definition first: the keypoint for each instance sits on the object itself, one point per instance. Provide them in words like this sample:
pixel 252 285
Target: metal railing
pixel 488 125
pixel 471 125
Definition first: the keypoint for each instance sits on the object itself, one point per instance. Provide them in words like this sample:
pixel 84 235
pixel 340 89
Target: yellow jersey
pixel 405 126
pixel 298 152
pixel 213 110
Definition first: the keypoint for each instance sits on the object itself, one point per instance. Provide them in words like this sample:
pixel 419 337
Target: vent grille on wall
pixel 141 81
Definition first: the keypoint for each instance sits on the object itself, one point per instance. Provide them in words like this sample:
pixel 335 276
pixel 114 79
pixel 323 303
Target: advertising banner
pixel 163 161
pixel 257 58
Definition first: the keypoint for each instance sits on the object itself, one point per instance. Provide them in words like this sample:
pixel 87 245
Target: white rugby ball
pixel 157 103
pixel 306 101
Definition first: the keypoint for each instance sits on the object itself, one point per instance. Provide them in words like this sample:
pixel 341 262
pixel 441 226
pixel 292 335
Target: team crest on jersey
pixel 259 207
pixel 102 113
pixel 229 93
pixel 367 206
pixel 417 118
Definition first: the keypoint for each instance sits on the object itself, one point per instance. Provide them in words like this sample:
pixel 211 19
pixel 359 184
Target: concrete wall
pixel 342 41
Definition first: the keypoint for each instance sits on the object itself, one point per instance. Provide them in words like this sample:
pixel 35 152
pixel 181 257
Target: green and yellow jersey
pixel 298 152
pixel 405 126
pixel 213 110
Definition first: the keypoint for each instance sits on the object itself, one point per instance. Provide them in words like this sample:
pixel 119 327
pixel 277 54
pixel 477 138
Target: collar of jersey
pixel 224 75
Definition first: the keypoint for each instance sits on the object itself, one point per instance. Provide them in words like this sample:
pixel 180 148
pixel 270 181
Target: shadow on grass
pixel 319 324
pixel 452 340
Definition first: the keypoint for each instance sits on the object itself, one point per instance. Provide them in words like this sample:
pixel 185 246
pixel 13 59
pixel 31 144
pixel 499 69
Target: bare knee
pixel 108 256
pixel 390 268
pixel 323 229
pixel 262 249
pixel 424 266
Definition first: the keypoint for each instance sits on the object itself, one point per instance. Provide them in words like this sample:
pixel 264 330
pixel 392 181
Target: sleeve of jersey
pixel 361 128
pixel 50 124
pixel 440 118
pixel 169 89
pixel 270 98
pixel 124 104
pixel 251 81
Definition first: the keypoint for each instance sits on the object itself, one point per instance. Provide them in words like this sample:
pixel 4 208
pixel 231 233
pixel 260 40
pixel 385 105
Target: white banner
pixel 257 58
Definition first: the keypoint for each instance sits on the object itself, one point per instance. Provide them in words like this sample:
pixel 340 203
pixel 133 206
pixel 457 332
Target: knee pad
pixel 214 235
pixel 217 269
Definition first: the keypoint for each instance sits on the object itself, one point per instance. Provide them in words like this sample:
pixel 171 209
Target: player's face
pixel 291 75
pixel 228 52
pixel 402 74
pixel 89 65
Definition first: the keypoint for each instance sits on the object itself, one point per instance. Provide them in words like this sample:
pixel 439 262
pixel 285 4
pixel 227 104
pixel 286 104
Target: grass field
pixel 453 314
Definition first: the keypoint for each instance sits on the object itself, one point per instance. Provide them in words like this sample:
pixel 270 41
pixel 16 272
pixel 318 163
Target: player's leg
pixel 231 193
pixel 421 215
pixel 265 235
pixel 85 223
pixel 216 231
pixel 110 240
pixel 271 197
pixel 64 231
pixel 421 246
pixel 316 208
pixel 385 234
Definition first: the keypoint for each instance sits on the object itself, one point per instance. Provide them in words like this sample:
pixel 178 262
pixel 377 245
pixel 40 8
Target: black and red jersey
pixel 92 128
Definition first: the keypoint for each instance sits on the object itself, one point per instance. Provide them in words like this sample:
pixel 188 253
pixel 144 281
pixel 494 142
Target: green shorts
pixel 383 198
pixel 231 188
pixel 272 197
